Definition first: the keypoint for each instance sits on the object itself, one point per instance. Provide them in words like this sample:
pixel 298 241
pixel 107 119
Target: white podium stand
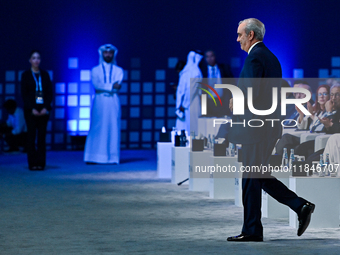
pixel 200 161
pixel 164 152
pixel 179 164
pixel 320 142
pixel 322 191
pixel 222 184
pixel 206 126
pixel 309 136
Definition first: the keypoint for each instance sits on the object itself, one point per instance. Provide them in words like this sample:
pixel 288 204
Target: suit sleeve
pixel 25 92
pixel 252 74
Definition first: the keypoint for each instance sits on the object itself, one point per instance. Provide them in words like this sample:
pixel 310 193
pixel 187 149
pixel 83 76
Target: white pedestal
pixel 206 126
pixel 199 170
pixel 179 164
pixel 323 192
pixel 293 132
pixel 320 142
pixel 164 152
pixel 222 184
pixel 309 137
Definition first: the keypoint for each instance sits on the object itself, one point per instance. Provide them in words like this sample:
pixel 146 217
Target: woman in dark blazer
pixel 37 94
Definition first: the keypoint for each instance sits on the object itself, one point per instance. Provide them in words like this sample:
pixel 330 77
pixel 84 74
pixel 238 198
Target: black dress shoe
pixel 304 217
pixel 245 238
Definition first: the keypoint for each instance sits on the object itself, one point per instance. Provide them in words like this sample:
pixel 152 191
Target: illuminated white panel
pixel 85 75
pixel 72 125
pixel 85 100
pixel 84 113
pixel 160 87
pixel 160 75
pixel 72 87
pixel 60 88
pixel 73 63
pixel 72 100
pixel 10 75
pixel 172 62
pixel 10 88
pixel 60 100
pixel 59 113
pixel 147 87
pixel 84 125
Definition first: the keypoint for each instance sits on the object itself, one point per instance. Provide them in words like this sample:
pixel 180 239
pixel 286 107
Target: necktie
pixel 213 74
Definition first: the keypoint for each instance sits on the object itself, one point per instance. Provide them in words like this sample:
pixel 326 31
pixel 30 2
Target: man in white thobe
pixel 103 140
pixel 188 94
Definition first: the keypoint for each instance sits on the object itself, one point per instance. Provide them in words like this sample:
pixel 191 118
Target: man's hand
pixel 35 112
pixel 329 106
pixel 326 122
pixel 43 111
pixel 117 86
pixel 231 104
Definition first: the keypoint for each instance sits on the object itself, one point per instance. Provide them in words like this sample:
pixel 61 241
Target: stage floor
pixel 73 208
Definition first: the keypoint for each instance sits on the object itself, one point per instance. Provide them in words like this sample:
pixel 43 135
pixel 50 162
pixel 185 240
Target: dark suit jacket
pixel 225 71
pixel 261 64
pixel 28 87
pixel 335 128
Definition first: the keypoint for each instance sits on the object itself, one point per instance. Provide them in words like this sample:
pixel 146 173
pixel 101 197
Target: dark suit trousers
pixel 36 128
pixel 252 184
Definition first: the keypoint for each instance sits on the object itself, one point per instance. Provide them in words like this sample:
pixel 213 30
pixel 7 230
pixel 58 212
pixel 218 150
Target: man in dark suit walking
pixel 261 71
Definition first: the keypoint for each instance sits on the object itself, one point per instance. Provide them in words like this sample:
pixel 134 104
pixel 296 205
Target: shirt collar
pixel 253 46
pixel 212 66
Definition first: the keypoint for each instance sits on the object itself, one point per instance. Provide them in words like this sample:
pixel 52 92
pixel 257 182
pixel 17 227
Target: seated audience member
pixel 333 149
pixel 179 67
pixel 217 71
pixel 14 129
pixel 295 114
pixel 318 110
pixel 332 122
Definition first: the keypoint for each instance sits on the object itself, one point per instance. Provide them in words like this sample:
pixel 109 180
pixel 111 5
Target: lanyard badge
pixel 105 73
pixel 39 98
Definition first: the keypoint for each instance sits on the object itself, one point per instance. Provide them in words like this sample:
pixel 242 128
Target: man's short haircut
pixel 301 82
pixel 336 85
pixel 210 50
pixel 255 25
pixel 34 51
pixel 10 104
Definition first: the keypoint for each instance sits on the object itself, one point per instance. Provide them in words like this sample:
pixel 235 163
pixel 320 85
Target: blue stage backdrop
pixel 150 36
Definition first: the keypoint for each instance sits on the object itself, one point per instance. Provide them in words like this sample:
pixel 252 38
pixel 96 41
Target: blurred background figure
pixel 14 130
pixel 103 141
pixel 179 67
pixel 188 101
pixel 37 94
pixel 217 71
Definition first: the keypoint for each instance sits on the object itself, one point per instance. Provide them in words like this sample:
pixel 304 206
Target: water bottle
pixel 213 142
pixel 209 142
pixel 231 149
pixel 285 162
pixel 183 139
pixel 291 158
pixel 327 172
pixel 321 165
pixel 173 133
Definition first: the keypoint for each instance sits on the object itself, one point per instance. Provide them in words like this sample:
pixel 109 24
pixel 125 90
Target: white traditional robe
pixel 333 149
pixel 103 140
pixel 188 94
